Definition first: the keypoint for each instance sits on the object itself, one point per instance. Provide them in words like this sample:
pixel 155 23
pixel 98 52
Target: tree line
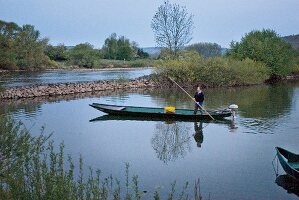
pixel 22 48
pixel 173 25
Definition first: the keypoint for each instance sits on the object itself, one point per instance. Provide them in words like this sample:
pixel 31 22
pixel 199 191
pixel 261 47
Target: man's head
pixel 198 87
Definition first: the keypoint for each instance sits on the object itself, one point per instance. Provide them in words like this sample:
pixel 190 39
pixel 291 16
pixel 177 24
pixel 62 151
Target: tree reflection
pixel 263 101
pixel 171 141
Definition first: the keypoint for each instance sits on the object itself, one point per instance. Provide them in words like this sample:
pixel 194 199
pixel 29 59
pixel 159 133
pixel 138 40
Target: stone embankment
pixel 73 88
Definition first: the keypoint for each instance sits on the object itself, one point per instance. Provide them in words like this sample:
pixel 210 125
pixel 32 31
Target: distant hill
pixel 293 40
pixel 152 50
pixel 157 50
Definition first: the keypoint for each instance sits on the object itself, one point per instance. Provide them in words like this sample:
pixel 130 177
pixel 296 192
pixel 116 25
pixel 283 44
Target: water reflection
pixel 198 135
pixel 288 183
pixel 255 126
pixel 261 102
pixel 171 141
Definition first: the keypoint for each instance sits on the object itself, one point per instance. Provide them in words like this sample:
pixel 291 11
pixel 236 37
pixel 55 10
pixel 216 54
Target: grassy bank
pixel 30 168
pixel 104 63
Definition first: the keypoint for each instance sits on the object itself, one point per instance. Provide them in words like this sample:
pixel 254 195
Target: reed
pixel 32 169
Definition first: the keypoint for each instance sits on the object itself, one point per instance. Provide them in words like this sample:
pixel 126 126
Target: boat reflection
pixel 148 118
pixel 290 184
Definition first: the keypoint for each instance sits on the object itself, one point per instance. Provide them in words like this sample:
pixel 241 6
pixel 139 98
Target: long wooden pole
pixel 191 98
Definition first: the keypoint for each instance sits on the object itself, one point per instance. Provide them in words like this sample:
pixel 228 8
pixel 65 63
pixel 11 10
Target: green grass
pixel 124 64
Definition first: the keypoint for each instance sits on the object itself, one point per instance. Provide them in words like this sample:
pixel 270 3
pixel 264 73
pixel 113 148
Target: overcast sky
pixel 76 21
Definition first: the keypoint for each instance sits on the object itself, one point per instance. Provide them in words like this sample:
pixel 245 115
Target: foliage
pixel 141 54
pixel 120 48
pixel 22 47
pixel 172 26
pixel 206 49
pixel 189 67
pixel 265 46
pixel 84 55
pixel 31 169
pixel 57 53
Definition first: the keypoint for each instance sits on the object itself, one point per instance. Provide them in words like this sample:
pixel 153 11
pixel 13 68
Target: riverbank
pixel 60 89
pixel 79 69
pixel 73 88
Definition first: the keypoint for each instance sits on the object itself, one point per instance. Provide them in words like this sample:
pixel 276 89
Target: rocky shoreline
pixel 73 88
pixel 60 89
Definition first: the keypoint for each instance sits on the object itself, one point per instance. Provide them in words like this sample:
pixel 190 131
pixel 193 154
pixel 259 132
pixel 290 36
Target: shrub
pixel 189 67
pixel 84 55
pixel 32 169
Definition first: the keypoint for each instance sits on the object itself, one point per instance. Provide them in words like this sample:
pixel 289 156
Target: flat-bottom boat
pixel 289 162
pixel 149 112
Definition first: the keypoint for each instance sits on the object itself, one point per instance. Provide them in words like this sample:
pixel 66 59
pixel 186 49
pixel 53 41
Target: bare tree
pixel 172 26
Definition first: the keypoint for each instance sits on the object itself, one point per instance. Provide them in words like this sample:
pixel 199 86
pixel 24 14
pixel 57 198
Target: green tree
pixel 265 46
pixel 124 49
pixel 30 49
pixel 8 32
pixel 110 47
pixel 172 26
pixel 22 47
pixel 139 53
pixel 206 49
pixel 57 53
pixel 84 55
pixel 118 48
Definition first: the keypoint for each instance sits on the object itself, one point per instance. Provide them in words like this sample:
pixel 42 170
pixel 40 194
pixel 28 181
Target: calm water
pixel 61 76
pixel 233 159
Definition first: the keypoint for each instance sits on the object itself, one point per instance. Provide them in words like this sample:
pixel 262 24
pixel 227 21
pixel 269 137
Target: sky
pixel 71 22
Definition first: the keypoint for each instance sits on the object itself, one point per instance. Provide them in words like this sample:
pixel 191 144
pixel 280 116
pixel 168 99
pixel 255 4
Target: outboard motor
pixel 233 108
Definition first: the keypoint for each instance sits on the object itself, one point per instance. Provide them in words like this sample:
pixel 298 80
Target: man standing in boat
pixel 199 98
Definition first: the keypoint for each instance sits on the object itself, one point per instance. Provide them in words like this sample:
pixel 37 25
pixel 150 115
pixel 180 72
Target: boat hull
pixel 159 113
pixel 288 162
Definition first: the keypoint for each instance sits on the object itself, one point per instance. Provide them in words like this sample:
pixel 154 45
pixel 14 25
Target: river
pixel 16 79
pixel 232 158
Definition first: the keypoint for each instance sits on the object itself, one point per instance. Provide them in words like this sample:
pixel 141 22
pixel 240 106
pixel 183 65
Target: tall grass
pixel 32 169
pixel 189 67
pixel 123 63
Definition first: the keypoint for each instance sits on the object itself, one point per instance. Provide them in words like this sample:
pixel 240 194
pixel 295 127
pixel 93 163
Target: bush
pixel 84 55
pixel 189 68
pixel 57 53
pixel 265 46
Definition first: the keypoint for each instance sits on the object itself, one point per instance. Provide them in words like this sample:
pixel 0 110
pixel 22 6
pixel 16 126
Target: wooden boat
pixel 289 162
pixel 154 113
